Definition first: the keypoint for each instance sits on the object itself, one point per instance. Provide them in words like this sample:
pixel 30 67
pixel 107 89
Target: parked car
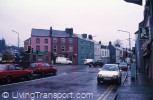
pixel 123 66
pixel 63 60
pixel 8 72
pixel 109 72
pixel 43 68
pixel 96 63
pixel 88 61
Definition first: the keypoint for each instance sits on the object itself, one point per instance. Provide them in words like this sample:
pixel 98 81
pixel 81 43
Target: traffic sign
pixel 144 33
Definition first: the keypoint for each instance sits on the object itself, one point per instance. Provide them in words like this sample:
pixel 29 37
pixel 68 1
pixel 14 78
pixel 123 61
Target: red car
pixel 8 72
pixel 43 68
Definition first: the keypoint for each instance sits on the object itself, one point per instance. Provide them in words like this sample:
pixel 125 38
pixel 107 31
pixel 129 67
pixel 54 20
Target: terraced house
pixel 49 44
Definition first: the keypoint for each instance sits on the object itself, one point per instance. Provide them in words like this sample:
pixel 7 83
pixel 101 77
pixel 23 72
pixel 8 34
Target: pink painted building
pixel 49 44
pixel 41 44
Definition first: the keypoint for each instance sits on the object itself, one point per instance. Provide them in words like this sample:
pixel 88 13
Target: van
pixel 87 61
pixel 63 60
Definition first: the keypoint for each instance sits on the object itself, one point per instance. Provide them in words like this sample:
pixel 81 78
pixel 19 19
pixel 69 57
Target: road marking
pixel 106 93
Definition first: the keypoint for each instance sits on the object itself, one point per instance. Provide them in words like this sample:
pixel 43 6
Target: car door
pixel 19 71
pixel 11 71
pixel 49 68
pixel 44 68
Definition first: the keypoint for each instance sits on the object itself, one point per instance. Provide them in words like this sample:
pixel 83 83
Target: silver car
pixel 109 72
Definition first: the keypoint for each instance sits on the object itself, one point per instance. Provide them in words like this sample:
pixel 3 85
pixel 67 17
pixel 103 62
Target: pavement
pixel 139 89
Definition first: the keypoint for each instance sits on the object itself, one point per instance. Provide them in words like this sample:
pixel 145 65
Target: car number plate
pixel 107 78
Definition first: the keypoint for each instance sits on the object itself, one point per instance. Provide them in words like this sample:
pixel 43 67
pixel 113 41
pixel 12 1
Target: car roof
pixel 40 63
pixel 6 64
pixel 111 64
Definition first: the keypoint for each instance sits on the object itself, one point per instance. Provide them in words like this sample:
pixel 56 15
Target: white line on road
pixel 106 93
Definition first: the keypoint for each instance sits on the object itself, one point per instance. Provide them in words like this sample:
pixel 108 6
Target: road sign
pixel 144 33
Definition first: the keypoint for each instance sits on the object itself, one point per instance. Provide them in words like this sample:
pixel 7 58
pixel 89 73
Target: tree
pixel 118 43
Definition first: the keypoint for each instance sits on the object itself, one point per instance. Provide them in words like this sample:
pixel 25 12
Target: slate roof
pixel 47 33
pixel 81 37
pixel 40 32
pixel 58 33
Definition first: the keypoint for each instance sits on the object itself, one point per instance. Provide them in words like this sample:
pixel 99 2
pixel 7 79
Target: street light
pixel 18 37
pixel 129 38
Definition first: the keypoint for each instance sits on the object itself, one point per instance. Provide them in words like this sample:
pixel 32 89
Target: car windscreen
pixel 110 68
pixel 33 65
pixel 123 64
pixel 2 67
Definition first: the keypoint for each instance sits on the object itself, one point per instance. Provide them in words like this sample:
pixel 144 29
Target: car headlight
pixel 100 75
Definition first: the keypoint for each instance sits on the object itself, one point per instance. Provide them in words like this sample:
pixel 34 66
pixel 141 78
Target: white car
pixel 87 61
pixel 109 72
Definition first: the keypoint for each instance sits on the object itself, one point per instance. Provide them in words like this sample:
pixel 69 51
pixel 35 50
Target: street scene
pixel 69 81
pixel 76 50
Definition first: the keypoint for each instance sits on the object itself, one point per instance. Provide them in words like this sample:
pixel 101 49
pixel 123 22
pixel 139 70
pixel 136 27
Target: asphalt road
pixel 77 82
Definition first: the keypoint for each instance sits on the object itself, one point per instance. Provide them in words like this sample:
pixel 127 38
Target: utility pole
pixel 18 37
pixel 129 38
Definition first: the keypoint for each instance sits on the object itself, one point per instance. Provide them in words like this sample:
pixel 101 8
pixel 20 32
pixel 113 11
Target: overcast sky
pixel 100 18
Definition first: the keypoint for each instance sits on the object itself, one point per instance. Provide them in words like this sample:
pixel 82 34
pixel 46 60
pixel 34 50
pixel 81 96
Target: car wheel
pixel 54 73
pixel 95 65
pixel 98 81
pixel 8 79
pixel 119 81
pixel 28 76
pixel 43 74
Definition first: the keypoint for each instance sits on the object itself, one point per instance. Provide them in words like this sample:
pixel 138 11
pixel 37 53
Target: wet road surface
pixel 77 82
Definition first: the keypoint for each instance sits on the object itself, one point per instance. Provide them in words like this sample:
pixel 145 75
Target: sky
pixel 100 18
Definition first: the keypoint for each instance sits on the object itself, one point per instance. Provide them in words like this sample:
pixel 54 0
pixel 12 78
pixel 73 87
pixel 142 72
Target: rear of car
pixel 3 68
pixel 43 68
pixel 123 66
pixel 96 63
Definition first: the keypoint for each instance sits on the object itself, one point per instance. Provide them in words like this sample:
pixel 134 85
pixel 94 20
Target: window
pixel 70 48
pixel 81 49
pixel 54 40
pixel 70 40
pixel 63 48
pixel 47 59
pixel 102 53
pixel 54 48
pixel 37 48
pixel 11 67
pixel 62 40
pixel 81 42
pixel 2 67
pixel 46 49
pixel 37 40
pixel 44 65
pixel 18 68
pixel 34 65
pixel 46 41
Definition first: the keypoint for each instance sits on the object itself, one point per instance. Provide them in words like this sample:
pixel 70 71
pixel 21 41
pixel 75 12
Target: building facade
pixel 85 47
pixel 144 39
pixel 41 45
pixel 97 50
pixel 117 53
pixel 105 54
pixel 47 45
pixel 64 44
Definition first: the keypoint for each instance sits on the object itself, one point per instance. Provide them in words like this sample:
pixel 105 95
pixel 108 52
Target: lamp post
pixel 129 38
pixel 18 37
